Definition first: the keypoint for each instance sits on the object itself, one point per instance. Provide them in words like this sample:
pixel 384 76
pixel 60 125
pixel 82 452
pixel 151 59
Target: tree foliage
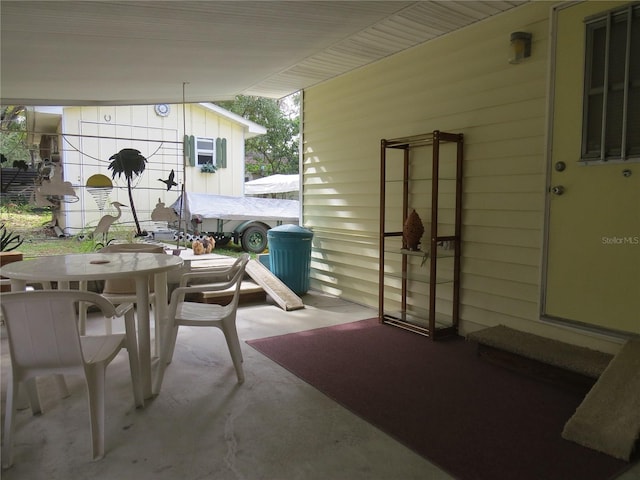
pixel 278 150
pixel 13 136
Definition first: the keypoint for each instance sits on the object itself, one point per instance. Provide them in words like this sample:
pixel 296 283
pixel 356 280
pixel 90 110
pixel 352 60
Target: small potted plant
pixel 208 168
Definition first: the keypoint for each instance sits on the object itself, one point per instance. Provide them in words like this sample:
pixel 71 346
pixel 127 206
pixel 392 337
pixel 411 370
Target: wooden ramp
pixel 275 288
pixel 608 419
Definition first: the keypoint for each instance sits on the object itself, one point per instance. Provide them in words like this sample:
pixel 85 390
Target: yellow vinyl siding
pixel 459 83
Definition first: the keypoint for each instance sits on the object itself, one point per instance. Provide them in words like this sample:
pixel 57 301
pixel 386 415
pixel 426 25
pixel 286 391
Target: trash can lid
pixel 290 230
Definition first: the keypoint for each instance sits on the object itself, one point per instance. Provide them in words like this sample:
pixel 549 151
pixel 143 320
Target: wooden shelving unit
pixel 419 290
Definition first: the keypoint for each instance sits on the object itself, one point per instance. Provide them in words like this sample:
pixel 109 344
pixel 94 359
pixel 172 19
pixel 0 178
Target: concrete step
pixel 581 360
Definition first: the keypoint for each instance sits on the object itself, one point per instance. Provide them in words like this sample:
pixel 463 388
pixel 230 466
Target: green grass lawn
pixel 33 226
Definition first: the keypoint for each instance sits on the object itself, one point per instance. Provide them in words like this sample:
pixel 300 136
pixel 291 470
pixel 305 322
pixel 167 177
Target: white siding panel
pixel 502 184
pixel 516 255
pixel 510 289
pixel 461 83
pixel 504 236
pixel 489 268
pixel 502 218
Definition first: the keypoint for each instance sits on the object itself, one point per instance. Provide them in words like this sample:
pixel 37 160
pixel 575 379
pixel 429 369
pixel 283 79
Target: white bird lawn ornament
pixel 106 221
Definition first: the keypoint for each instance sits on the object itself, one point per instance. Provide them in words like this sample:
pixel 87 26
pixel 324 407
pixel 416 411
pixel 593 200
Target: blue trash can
pixel 290 256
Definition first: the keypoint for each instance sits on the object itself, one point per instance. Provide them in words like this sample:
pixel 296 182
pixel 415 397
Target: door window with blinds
pixel 611 125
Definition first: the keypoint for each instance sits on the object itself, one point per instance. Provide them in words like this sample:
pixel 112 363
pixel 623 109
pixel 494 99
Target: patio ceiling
pixel 142 52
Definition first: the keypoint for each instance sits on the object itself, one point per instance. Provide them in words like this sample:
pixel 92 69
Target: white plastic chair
pixel 194 314
pixel 44 340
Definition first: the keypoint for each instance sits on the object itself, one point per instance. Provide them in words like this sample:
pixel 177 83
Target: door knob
pixel 557 190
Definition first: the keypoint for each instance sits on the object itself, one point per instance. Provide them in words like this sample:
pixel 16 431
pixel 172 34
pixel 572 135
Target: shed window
pixel 206 150
pixel 611 124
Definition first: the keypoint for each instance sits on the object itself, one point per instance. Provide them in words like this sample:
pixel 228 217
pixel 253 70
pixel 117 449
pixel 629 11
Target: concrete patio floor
pixel 203 425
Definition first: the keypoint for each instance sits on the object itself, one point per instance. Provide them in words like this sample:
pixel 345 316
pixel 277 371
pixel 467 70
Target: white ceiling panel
pixel 142 52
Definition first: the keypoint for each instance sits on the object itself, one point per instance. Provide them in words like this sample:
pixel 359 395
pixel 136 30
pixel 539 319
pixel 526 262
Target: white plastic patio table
pixel 101 266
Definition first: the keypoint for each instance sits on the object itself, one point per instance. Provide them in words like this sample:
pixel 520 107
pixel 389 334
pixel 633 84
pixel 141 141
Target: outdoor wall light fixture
pixel 520 46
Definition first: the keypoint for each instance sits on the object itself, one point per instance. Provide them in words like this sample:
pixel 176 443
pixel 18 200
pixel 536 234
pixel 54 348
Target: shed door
pixel 593 232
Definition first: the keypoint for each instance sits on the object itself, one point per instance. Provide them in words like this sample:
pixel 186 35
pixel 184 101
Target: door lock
pixel 560 166
pixel 557 190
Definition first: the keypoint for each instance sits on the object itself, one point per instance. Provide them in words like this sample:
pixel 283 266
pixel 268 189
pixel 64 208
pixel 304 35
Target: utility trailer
pixel 245 220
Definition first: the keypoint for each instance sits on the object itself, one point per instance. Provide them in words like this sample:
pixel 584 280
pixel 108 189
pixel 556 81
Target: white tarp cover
pixel 273 184
pixel 203 205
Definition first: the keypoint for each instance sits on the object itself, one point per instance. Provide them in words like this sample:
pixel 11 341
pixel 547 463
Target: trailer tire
pixel 254 239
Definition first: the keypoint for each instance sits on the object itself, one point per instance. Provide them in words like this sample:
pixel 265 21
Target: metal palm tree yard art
pixel 129 163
